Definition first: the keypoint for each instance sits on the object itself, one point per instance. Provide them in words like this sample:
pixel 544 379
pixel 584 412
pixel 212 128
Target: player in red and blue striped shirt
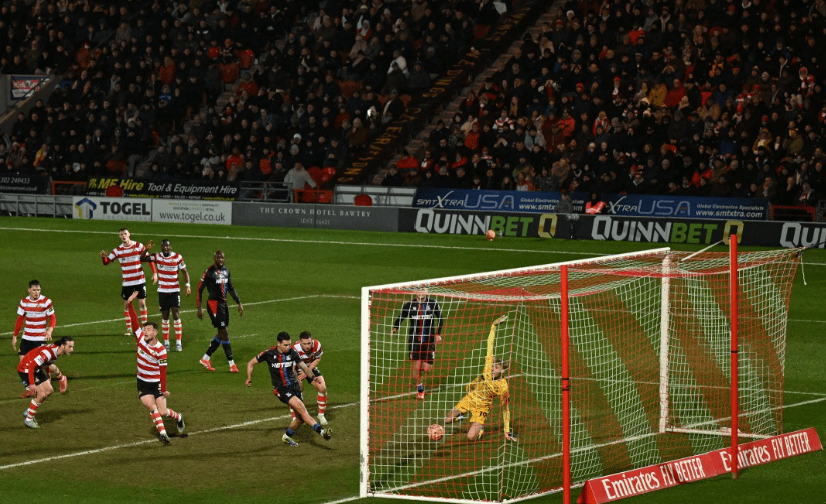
pixel 282 359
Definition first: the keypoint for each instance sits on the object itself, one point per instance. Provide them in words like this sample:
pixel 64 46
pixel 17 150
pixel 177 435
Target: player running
pixel 425 331
pixel 310 351
pixel 169 289
pixel 35 315
pixel 31 370
pixel 152 356
pixel 480 393
pixel 218 283
pixel 281 360
pixel 128 254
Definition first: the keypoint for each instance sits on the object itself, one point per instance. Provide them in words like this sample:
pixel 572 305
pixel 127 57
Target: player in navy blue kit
pixel 425 331
pixel 218 282
pixel 282 359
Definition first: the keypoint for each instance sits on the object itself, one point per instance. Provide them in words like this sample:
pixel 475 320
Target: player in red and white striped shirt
pixel 169 289
pixel 152 356
pixel 309 349
pixel 128 254
pixel 32 371
pixel 35 315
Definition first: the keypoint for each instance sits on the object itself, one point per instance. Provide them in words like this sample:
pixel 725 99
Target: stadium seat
pixel 316 173
pixel 480 31
pixel 245 58
pixel 363 200
pixel 328 174
pixel 348 87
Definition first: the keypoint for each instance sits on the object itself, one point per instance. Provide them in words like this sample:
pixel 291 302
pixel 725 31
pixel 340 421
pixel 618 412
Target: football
pixel 490 235
pixel 435 432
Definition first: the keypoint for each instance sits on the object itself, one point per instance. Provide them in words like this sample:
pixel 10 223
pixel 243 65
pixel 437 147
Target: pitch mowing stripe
pixel 605 363
pixel 150 441
pixel 574 451
pixel 254 303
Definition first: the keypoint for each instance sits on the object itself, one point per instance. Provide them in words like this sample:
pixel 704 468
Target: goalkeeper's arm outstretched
pixel 480 392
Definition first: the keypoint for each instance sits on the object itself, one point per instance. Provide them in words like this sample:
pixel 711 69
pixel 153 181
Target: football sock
pixel 32 408
pixel 317 427
pixel 172 414
pixel 420 388
pixel 165 330
pixel 144 316
pixel 227 350
pixel 127 320
pixel 179 330
pixel 156 417
pixel 290 432
pixel 292 412
pixel 231 363
pixel 213 345
pixel 322 403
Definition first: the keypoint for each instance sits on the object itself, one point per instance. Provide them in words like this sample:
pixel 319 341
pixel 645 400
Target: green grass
pixel 290 280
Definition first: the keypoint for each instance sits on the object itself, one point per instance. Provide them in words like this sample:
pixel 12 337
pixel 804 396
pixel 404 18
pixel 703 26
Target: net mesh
pixel 649 371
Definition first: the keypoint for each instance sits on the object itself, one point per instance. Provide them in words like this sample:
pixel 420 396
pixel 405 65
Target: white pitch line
pixel 339 242
pixel 348 499
pixel 329 242
pixel 148 441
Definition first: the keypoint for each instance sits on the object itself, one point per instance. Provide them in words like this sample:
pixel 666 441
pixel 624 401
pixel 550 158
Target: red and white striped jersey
pixel 151 358
pixel 130 262
pixel 314 353
pixel 36 313
pixel 39 357
pixel 168 268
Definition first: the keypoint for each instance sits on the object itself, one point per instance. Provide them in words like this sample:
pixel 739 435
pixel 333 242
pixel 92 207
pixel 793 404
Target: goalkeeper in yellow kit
pixel 480 393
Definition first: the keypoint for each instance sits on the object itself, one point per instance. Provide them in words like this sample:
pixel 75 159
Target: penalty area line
pixel 150 441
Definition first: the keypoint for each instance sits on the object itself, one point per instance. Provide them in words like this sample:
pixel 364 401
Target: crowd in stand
pixel 144 84
pixel 696 98
pixel 681 97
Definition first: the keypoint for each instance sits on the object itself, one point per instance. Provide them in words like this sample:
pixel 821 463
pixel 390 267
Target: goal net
pixel 649 364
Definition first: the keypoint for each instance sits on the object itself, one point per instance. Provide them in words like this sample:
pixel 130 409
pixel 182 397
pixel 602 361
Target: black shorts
pixel 425 352
pixel 167 300
pixel 284 394
pixel 218 314
pixel 149 388
pixel 27 346
pixel 127 291
pixel 40 376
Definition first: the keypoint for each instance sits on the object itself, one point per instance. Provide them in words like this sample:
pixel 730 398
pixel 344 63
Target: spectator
pixel 298 178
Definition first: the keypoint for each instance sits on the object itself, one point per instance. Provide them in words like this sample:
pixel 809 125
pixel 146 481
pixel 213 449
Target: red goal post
pixel 647 379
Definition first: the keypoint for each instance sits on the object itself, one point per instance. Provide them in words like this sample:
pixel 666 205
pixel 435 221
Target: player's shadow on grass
pixel 106 352
pixel 98 377
pixel 83 336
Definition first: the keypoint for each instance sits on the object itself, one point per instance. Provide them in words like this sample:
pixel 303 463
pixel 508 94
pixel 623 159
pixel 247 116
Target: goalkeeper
pixel 480 393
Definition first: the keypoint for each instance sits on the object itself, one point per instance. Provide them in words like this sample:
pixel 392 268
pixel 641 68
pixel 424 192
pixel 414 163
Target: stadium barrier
pixel 613 228
pixel 421 220
pixel 640 205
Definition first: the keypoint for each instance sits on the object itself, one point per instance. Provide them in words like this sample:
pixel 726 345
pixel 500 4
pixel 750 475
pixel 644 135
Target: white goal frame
pixel 364 399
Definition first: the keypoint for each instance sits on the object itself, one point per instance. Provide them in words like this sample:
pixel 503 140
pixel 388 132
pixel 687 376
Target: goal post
pixel 647 378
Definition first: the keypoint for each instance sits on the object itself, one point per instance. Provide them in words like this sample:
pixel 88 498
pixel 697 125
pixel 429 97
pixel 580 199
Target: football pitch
pixel 98 444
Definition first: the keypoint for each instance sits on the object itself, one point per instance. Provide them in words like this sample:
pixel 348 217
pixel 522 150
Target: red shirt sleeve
pixel 21 320
pixel 163 378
